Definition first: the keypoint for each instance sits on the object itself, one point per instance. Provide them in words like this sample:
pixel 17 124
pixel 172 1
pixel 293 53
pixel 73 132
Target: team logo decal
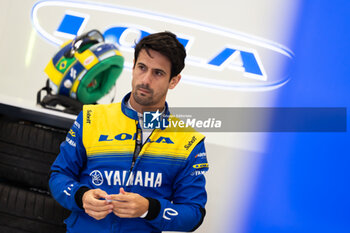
pixel 169 212
pixel 96 177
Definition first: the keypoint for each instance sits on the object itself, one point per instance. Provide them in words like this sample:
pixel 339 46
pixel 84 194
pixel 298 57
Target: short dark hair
pixel 166 44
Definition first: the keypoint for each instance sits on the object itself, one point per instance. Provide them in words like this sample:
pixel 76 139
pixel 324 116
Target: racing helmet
pixel 84 69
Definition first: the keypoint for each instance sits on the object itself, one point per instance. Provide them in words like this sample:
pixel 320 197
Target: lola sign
pixel 216 57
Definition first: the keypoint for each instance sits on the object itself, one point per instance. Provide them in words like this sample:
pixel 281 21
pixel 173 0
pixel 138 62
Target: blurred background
pixel 253 53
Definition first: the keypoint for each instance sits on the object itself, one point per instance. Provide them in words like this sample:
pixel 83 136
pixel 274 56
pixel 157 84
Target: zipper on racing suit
pixel 138 145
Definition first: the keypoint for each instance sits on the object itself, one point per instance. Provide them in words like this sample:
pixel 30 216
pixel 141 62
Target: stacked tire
pixel 27 151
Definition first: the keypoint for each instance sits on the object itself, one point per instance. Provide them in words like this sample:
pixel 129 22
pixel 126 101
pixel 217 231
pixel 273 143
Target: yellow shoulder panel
pixel 103 126
pixel 178 141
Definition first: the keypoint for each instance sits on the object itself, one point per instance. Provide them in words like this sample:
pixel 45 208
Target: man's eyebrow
pixel 155 69
pixel 140 63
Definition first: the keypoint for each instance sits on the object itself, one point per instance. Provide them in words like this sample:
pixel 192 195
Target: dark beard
pixel 142 100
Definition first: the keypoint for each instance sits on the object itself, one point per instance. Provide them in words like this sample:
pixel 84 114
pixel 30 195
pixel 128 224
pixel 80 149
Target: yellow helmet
pixel 85 68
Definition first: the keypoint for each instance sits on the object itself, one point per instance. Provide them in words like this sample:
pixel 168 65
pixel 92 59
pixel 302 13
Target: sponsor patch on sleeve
pixel 201 165
pixel 200 169
pixel 197 173
pixel 201 155
pixel 76 124
pixel 72 134
pixel 71 142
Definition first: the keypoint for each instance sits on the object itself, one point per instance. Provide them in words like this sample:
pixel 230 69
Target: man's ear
pixel 174 81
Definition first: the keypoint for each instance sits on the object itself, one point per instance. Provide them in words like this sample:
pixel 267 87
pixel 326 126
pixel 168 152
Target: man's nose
pixel 147 77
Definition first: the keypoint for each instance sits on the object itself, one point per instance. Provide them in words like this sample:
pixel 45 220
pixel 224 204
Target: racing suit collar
pixel 133 114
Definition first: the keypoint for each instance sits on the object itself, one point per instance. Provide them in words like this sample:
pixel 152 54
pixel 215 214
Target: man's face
pixel 151 75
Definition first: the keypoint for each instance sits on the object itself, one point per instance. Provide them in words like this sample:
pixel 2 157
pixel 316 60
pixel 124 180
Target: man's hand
pixel 128 205
pixel 96 208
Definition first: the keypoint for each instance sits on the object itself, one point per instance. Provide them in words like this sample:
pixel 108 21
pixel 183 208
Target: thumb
pixel 122 191
pixel 98 193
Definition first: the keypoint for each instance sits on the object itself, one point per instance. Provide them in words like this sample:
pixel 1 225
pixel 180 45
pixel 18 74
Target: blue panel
pixel 71 24
pixel 303 181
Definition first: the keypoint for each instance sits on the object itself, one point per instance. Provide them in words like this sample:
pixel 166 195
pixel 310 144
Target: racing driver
pixel 117 176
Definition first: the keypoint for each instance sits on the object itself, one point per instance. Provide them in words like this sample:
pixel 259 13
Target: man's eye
pixel 159 73
pixel 142 67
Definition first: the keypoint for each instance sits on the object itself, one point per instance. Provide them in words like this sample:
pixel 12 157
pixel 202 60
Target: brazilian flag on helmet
pixel 84 69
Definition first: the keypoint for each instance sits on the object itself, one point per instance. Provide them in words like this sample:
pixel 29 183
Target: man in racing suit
pixel 117 177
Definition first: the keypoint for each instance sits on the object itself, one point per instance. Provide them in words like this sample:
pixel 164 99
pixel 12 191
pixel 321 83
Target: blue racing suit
pixel 98 153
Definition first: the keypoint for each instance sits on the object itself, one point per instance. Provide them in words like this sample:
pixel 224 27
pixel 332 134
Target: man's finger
pixel 98 208
pixel 92 197
pixel 122 205
pixel 98 193
pixel 124 213
pixel 96 202
pixel 121 197
pixel 122 191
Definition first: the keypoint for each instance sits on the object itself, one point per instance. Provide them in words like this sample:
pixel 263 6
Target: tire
pixel 25 211
pixel 27 152
pixel 6 229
